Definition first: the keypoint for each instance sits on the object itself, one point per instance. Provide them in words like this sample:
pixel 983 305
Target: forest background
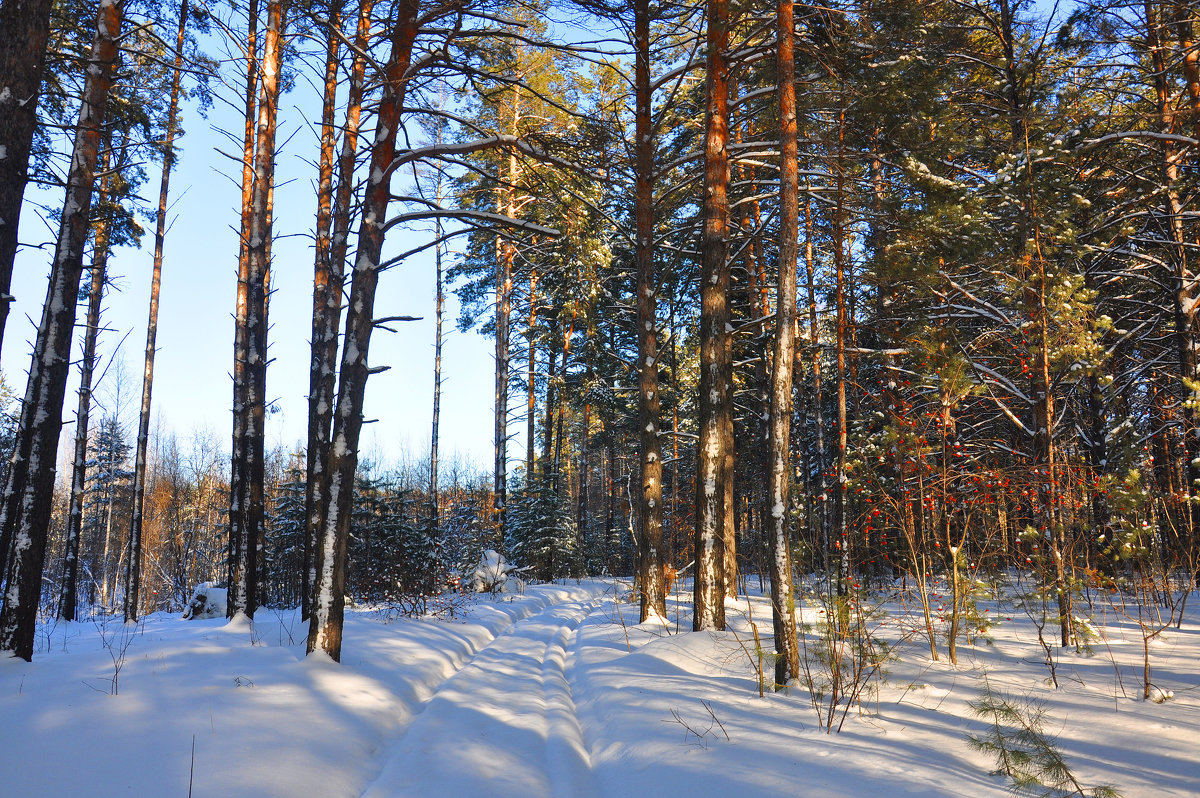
pixel 993 363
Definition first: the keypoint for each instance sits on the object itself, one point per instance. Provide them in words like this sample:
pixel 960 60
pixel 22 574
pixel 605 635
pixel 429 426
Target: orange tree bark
pixel 787 650
pixel 650 560
pixel 133 578
pixel 709 591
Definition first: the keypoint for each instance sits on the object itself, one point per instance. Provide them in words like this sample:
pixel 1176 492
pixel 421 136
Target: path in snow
pixel 505 724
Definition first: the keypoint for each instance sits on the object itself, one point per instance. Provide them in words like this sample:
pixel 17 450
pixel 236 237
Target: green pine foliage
pixel 285 538
pixel 543 538
pixel 1024 752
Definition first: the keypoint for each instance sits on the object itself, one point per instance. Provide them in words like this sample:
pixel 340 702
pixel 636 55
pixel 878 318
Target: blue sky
pixel 192 388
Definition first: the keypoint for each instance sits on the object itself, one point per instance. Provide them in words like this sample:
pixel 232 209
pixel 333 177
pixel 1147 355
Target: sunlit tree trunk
pixel 531 381
pixel 28 496
pixel 650 556
pixel 709 583
pixel 820 483
pixel 505 254
pixel 787 650
pixel 1185 287
pixel 236 555
pixel 439 306
pixel 133 577
pixel 244 581
pixel 841 332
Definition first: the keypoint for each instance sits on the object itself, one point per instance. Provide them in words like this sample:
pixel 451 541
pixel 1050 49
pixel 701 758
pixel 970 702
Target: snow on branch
pixel 1090 144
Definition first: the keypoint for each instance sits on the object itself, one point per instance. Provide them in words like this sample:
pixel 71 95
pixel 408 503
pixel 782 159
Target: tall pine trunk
pixel 236 556
pixel 650 555
pixel 505 254
pixel 439 307
pixel 28 495
pixel 328 603
pixel 247 492
pixel 1185 287
pixel 133 578
pixel 24 30
pixel 783 613
pixel 323 366
pixel 100 251
pixel 709 583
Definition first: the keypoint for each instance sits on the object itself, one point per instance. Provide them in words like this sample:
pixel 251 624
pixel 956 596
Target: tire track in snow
pixel 504 725
pixel 568 762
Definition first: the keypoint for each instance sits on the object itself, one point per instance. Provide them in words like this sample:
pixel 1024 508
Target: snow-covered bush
pixel 493 574
pixel 207 601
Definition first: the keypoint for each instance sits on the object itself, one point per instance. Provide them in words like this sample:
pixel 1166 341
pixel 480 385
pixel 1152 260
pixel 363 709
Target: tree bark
pixel 236 554
pixel 328 603
pixel 24 30
pixel 709 582
pixel 28 496
pixel 650 559
pixel 531 381
pixel 783 614
pixel 244 590
pixel 505 253
pixel 323 365
pixel 133 578
pixel 439 307
pixel 100 251
pixel 1185 287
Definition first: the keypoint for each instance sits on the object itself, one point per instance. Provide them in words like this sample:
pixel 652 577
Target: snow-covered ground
pixel 558 692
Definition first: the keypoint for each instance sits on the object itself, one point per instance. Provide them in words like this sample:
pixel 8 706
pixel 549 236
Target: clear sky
pixel 192 386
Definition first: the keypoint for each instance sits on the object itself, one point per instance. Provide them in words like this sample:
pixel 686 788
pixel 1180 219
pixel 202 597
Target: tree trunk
pixel 787 649
pixel 439 306
pixel 709 583
pixel 841 290
pixel 328 603
pixel 236 554
pixel 100 251
pixel 1185 287
pixel 650 559
pixel 24 30
pixel 505 254
pixel 323 366
pixel 28 496
pixel 133 579
pixel 244 589
pixel 820 486
pixel 531 382
pixel 1027 252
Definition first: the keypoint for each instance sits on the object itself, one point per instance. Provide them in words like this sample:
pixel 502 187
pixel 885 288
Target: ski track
pixel 511 700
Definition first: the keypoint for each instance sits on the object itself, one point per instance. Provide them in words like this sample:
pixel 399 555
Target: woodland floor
pixel 558 692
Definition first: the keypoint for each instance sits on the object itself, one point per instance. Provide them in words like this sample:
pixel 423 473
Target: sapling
pixel 846 660
pixel 1023 750
pixel 117 644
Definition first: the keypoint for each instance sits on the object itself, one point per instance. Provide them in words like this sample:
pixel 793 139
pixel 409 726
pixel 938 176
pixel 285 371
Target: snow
pixel 207 601
pixel 493 574
pixel 560 692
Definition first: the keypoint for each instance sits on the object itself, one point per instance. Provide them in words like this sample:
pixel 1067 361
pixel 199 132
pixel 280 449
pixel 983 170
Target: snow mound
pixel 207 601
